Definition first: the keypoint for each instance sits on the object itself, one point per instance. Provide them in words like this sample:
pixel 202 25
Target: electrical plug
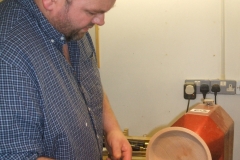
pixel 204 89
pixel 189 91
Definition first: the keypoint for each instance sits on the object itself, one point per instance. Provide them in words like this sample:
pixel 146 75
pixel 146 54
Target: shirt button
pixel 97 136
pixel 52 41
pixel 86 124
pixel 62 38
pixel 89 108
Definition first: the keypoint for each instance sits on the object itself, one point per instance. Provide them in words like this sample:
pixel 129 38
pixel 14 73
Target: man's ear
pixel 48 4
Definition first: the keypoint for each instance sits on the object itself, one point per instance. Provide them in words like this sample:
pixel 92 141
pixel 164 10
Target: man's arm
pixel 20 114
pixel 116 143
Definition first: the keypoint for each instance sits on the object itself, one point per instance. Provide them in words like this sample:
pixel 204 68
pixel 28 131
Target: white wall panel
pixel 148 49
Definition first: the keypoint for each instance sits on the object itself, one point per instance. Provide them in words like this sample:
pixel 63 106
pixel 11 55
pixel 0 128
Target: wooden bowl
pixel 177 143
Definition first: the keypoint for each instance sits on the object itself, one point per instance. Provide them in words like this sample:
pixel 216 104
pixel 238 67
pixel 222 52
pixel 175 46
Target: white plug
pixel 189 89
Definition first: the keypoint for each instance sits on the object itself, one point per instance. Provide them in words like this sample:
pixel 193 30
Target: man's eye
pixel 92 13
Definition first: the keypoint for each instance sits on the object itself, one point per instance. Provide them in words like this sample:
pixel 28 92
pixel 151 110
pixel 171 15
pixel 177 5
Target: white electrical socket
pixel 238 87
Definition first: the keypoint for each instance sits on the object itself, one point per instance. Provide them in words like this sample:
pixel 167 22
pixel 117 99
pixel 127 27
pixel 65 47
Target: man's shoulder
pixel 14 21
pixel 19 36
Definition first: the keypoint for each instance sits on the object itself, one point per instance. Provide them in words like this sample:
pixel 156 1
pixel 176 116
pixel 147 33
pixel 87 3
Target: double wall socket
pixel 226 86
pixel 198 83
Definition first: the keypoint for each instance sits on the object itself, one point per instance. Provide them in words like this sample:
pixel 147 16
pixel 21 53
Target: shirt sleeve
pixel 20 115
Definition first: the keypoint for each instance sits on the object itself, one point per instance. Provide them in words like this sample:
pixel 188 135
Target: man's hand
pixel 118 146
pixel 116 143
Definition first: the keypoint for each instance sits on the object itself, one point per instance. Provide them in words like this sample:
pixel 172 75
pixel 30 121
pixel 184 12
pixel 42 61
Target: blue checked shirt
pixel 47 106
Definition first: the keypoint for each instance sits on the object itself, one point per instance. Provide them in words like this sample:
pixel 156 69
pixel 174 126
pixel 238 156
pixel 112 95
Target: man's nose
pixel 99 19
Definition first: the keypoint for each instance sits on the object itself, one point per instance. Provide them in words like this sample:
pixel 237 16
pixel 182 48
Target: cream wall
pixel 148 49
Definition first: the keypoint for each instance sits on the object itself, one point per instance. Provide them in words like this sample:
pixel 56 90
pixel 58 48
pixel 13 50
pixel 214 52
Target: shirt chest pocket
pixel 88 66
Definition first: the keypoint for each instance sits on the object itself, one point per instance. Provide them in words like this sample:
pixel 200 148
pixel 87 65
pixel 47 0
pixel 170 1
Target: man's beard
pixel 65 27
pixel 63 24
pixel 74 35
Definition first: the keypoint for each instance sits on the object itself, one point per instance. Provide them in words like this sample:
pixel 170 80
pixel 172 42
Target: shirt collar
pixel 49 31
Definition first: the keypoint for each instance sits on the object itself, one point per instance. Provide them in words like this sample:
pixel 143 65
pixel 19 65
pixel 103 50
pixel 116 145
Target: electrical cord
pixel 215 89
pixel 188 104
pixel 204 89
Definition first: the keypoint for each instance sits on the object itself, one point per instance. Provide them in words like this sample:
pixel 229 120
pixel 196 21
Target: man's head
pixel 73 18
